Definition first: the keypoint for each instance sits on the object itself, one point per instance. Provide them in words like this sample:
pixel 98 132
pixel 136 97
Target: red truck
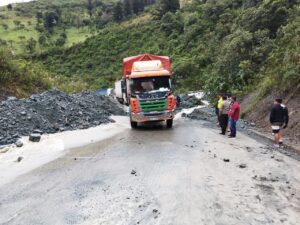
pixel 146 87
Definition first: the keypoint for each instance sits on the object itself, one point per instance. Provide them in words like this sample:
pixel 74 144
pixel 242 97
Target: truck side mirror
pixel 123 85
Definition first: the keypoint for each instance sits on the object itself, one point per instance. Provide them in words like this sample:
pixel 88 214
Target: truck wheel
pixel 169 123
pixel 133 124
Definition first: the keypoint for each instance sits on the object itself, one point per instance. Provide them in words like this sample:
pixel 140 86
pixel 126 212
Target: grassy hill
pixel 219 46
pixel 24 22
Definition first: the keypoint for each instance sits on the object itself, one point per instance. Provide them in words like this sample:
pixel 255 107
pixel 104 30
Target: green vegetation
pixel 59 23
pixel 39 20
pixel 20 77
pixel 219 46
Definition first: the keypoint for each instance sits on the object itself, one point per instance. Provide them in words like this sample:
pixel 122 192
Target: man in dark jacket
pixel 279 117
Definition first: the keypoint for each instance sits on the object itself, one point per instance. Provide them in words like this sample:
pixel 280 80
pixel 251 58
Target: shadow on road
pixel 152 126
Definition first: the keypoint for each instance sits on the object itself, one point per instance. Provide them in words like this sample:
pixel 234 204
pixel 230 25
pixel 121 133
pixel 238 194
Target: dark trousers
pixel 223 122
pixel 232 123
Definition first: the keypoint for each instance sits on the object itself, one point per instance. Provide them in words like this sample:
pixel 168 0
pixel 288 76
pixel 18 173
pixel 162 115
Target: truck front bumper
pixel 153 116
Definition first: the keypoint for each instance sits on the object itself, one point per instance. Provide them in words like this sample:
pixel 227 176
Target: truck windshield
pixel 150 84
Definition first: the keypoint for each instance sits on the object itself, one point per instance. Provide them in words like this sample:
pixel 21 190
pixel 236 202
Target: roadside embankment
pixel 257 110
pixel 54 111
pixel 207 113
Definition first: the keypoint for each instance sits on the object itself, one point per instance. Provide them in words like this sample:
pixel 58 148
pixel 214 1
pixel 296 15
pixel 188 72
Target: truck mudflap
pixel 146 117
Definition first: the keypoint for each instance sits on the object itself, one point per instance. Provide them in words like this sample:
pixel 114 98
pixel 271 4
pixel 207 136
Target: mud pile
pixel 54 111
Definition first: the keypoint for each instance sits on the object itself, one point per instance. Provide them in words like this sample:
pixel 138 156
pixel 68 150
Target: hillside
pixel 219 46
pixel 46 27
pixel 19 78
pixel 38 26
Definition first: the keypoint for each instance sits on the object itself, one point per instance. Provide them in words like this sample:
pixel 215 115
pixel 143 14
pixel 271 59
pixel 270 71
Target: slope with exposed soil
pixel 260 111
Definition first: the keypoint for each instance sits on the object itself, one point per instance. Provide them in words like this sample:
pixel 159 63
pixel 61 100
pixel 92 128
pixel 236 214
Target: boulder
pixel 34 137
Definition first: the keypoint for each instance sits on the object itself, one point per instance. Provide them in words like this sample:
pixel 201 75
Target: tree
pixel 9 7
pixel 17 23
pixel 42 39
pixel 127 12
pixel 31 44
pixel 136 6
pixel 118 12
pixel 11 43
pixel 60 41
pixel 165 6
pixel 171 22
pixel 50 20
pixel 90 7
pixel 39 16
pixel 142 5
pixel 5 26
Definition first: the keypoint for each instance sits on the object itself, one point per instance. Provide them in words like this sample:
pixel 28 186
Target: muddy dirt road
pixel 188 175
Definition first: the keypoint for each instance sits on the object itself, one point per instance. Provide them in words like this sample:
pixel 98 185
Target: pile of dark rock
pixel 189 101
pixel 54 111
pixel 208 113
pixel 204 113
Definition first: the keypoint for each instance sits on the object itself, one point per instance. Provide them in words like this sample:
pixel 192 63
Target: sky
pixel 5 2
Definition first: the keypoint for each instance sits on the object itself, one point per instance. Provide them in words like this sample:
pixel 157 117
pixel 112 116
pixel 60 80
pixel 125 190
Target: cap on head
pixel 224 97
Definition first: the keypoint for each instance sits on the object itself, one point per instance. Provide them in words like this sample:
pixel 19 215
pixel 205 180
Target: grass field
pixel 16 35
pixel 16 30
pixel 77 35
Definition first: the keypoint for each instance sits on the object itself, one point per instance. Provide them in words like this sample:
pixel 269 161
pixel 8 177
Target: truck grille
pixel 148 106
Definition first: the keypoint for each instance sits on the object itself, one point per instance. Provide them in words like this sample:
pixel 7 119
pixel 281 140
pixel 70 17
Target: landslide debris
pixel 189 101
pixel 205 113
pixel 54 111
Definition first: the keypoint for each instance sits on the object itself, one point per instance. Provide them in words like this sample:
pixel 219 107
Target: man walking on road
pixel 234 115
pixel 224 109
pixel 279 117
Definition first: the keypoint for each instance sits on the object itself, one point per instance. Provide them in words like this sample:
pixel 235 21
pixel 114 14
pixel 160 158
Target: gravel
pixel 54 111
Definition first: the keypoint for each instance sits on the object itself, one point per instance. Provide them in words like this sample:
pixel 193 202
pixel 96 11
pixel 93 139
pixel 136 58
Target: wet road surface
pixel 187 175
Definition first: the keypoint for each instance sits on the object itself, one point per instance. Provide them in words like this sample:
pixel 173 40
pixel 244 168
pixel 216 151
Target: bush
pixel 21 77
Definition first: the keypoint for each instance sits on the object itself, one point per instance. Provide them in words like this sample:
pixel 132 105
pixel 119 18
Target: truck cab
pixel 146 87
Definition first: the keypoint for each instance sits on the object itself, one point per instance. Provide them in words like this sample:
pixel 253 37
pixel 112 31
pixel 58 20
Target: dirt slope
pixel 260 113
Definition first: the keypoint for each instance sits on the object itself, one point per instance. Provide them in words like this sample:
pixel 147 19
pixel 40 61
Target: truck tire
pixel 133 124
pixel 169 123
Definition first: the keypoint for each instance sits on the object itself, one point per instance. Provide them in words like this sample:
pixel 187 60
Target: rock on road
pixel 187 175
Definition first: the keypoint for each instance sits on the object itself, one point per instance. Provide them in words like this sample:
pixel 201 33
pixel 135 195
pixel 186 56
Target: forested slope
pixel 219 46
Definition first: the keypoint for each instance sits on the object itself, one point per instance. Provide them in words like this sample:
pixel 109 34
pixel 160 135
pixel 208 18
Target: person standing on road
pixel 279 117
pixel 217 109
pixel 234 115
pixel 178 100
pixel 224 109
